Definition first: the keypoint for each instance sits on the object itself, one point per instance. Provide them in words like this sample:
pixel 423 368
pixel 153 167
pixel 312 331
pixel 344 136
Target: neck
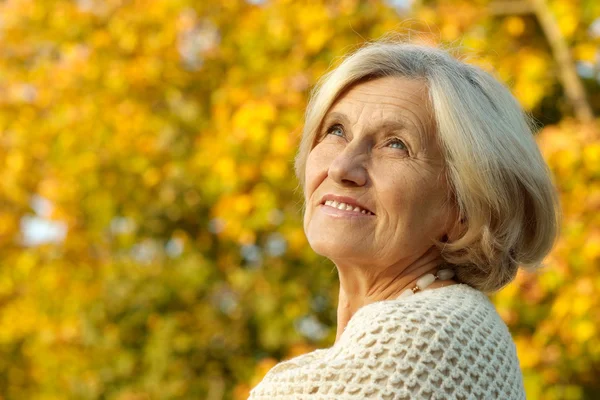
pixel 360 286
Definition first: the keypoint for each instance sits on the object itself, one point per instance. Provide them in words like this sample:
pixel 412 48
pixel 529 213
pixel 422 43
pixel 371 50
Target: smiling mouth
pixel 346 207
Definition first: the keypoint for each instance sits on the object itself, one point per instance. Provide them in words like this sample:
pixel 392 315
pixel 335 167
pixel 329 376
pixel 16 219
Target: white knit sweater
pixel 445 343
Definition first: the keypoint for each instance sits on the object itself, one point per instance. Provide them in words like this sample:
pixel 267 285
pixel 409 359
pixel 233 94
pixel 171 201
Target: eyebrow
pixel 335 116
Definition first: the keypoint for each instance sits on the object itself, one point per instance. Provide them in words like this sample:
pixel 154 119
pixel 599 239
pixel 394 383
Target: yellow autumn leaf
pixel 529 357
pixel 585 330
pixel 514 25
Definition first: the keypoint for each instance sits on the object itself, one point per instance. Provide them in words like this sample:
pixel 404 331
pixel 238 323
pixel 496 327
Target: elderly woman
pixel 425 187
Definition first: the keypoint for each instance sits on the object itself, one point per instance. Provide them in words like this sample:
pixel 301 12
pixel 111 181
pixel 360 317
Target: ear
pixel 457 229
pixel 456 226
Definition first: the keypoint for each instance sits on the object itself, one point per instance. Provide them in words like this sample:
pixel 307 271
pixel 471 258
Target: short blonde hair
pixel 498 178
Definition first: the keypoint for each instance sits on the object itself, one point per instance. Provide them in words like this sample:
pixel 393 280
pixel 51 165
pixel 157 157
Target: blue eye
pixel 336 130
pixel 397 144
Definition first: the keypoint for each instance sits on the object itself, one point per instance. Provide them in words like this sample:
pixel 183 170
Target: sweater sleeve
pixel 422 347
pixel 455 347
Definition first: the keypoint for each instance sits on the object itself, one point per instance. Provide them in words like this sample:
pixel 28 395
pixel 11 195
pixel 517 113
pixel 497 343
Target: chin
pixel 334 249
pixel 335 242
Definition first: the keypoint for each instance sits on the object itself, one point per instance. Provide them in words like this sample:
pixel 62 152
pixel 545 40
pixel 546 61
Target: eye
pixel 336 130
pixel 397 144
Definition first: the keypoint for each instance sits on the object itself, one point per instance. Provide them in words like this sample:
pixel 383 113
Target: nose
pixel 348 168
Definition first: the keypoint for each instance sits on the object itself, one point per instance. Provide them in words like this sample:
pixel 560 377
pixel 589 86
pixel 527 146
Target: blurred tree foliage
pixel 150 223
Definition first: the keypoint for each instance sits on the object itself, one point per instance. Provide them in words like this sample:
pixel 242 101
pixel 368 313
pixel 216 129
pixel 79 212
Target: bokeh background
pixel 151 244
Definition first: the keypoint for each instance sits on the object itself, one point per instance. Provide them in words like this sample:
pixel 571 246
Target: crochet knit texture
pixel 445 343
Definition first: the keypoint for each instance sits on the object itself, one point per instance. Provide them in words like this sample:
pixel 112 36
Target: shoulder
pixel 446 343
pixel 452 309
pixel 451 338
pixel 447 308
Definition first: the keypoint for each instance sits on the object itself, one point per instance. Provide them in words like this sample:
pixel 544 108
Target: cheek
pixel 315 172
pixel 436 205
pixel 414 201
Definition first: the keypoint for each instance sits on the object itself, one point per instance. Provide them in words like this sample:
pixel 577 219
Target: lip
pixel 345 214
pixel 347 200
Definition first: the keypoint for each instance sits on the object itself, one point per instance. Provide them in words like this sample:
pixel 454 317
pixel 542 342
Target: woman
pixel 425 187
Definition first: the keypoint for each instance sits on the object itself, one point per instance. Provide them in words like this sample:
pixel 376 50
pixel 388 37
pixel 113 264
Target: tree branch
pixel 567 73
pixel 499 8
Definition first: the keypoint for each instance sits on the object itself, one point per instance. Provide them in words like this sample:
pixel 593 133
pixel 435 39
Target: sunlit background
pixel 151 244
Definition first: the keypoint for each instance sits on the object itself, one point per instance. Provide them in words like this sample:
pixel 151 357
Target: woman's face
pixel 377 151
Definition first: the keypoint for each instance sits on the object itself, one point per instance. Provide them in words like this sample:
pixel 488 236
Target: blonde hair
pixel 498 178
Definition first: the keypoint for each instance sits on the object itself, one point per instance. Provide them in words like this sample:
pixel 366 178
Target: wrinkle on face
pixel 415 110
pixel 408 193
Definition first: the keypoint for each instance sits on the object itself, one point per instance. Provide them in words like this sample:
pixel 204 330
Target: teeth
pixel 346 207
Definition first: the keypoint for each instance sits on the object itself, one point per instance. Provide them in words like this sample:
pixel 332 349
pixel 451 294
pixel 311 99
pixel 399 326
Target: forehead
pixel 388 98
